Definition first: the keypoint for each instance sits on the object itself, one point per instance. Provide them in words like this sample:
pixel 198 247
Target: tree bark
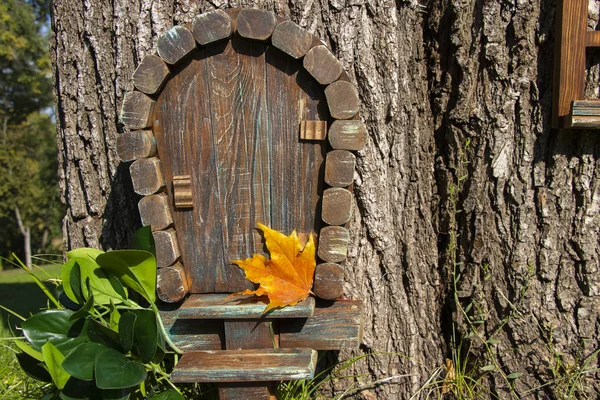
pixel 467 200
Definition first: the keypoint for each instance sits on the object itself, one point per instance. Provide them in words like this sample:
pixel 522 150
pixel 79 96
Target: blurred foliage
pixel 28 154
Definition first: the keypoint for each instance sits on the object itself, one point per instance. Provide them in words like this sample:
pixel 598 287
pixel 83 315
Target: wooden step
pixel 334 325
pixel 245 365
pixel 223 306
pixel 585 114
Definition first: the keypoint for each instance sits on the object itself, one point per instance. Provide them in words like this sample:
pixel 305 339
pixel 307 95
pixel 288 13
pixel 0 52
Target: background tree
pixel 29 203
pixel 476 227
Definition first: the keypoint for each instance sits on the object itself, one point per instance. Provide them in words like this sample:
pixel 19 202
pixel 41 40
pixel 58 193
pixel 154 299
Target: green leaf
pixel 115 371
pixel 515 375
pixel 80 362
pixel 126 330
pixel 85 310
pixel 76 389
pixel 84 252
pixel 115 317
pixel 49 325
pixel 118 286
pixel 489 367
pixel 99 333
pixel 99 283
pixel 168 395
pixel 33 367
pixel 26 348
pixel 145 337
pixel 159 355
pixel 70 274
pixel 53 359
pixel 135 268
pixel 116 394
pixel 493 342
pixel 143 240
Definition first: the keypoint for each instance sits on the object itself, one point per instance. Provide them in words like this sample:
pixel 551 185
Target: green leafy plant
pixel 102 337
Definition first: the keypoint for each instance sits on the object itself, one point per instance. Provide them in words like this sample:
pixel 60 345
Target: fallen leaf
pixel 287 277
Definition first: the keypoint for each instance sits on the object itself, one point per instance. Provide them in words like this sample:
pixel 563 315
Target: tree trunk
pixel 26 232
pixel 475 236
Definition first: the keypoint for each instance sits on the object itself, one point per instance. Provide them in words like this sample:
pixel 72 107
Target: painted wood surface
pixel 150 75
pixel 241 141
pixel 339 168
pixel 585 114
pixel 569 64
pixel 329 281
pixel 246 365
pixel 322 65
pixel 337 206
pixel 136 110
pixel 313 130
pixel 146 176
pixel 333 244
pixel 167 247
pixel 335 325
pixel 175 44
pixel 171 283
pixel 219 305
pixel 292 39
pixel 348 135
pixel 193 335
pixel 183 192
pixel 342 99
pixel 134 145
pixel 211 27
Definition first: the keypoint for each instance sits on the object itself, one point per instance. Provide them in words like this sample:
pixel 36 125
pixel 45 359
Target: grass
pixel 19 293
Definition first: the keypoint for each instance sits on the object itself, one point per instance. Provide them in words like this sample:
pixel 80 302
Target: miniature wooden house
pixel 241 118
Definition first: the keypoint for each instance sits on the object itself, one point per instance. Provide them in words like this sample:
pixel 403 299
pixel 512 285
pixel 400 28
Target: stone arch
pixel 178 52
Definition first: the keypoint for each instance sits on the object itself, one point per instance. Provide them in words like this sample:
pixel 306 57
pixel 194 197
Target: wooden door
pixel 229 117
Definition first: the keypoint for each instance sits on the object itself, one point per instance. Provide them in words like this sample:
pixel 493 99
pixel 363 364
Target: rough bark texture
pixel 456 95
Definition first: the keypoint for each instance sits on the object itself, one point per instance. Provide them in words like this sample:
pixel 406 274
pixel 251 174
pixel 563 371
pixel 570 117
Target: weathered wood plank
pixel 585 114
pixel 221 305
pixel 137 144
pixel 155 211
pixel 292 39
pixel 339 168
pixel 167 248
pixel 335 326
pixel 348 135
pixel 569 68
pixel 193 335
pixel 295 186
pixel 175 44
pixel 342 100
pixel 249 334
pixel 337 206
pixel 151 74
pixel 136 110
pixel 171 283
pixel 244 391
pixel 255 24
pixel 246 365
pixel 333 244
pixel 329 280
pixel 183 191
pixel 313 130
pixel 322 65
pixel 184 136
pixel 146 176
pixel 211 27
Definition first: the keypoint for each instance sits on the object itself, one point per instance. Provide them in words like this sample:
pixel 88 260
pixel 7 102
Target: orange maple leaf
pixel 287 277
